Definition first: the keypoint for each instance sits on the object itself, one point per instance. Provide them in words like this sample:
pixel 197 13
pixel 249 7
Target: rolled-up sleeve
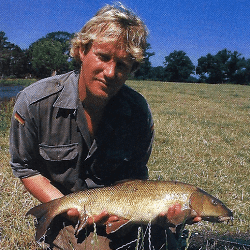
pixel 23 139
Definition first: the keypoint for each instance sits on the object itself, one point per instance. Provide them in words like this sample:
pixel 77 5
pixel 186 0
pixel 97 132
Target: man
pixel 73 132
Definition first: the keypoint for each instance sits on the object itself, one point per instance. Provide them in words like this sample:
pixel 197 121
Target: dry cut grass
pixel 202 138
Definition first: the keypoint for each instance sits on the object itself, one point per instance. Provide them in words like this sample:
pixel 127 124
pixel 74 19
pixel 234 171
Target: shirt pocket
pixel 58 153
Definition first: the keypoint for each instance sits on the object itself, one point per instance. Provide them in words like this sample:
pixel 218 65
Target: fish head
pixel 208 207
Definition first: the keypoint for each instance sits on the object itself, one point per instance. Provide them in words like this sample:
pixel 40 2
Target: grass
pixel 202 138
pixel 24 82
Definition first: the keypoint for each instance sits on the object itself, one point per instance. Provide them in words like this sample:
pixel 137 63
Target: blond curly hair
pixel 111 23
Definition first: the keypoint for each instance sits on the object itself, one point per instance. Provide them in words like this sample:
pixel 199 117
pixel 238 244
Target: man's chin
pixel 106 95
pixel 103 96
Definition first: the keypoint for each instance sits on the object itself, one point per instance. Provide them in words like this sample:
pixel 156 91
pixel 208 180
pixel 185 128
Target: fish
pixel 134 201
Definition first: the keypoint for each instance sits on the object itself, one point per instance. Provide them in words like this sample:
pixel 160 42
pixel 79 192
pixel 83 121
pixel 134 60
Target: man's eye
pixel 104 58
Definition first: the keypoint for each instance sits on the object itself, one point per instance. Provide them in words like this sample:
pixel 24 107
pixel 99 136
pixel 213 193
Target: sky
pixel 196 27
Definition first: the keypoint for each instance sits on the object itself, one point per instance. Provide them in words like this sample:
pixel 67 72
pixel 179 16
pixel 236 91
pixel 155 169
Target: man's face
pixel 105 68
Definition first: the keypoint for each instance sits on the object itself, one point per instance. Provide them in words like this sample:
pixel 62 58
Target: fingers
pixel 113 218
pixel 73 212
pixel 194 220
pixel 103 218
pixel 173 211
pixel 100 218
pixel 176 215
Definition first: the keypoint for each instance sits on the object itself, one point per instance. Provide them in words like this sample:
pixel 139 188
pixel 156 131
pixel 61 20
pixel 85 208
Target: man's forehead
pixel 111 47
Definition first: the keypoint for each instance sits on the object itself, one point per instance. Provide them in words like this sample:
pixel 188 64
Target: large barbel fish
pixel 134 201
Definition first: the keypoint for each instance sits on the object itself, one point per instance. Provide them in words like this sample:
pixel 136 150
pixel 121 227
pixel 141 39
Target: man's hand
pixel 73 215
pixel 171 216
pixel 174 212
pixel 103 218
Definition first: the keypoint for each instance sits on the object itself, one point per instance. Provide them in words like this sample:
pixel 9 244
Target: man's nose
pixel 110 69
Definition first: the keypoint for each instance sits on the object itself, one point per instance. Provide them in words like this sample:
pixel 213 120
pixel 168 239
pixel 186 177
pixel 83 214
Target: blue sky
pixel 196 27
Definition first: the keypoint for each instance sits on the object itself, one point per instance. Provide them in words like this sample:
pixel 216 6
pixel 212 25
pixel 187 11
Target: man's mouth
pixel 101 80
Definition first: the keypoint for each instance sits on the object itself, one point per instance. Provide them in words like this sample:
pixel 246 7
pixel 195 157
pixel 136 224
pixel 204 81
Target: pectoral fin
pixel 116 225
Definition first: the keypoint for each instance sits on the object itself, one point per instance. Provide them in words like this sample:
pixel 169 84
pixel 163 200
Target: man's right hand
pixel 102 218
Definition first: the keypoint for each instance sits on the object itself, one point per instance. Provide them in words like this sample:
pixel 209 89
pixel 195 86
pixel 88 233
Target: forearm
pixel 41 188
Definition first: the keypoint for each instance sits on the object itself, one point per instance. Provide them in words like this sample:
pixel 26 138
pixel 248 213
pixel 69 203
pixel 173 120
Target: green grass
pixel 202 137
pixel 24 82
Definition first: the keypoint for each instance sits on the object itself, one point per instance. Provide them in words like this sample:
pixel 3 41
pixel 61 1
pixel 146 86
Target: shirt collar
pixel 68 98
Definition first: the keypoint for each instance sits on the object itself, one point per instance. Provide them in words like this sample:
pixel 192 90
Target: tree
pixel 223 67
pixel 16 62
pixel 54 53
pixel 62 37
pixel 4 53
pixel 178 67
pixel 144 72
pixel 236 68
pixel 158 73
pixel 3 40
pixel 11 58
pixel 47 57
pixel 242 75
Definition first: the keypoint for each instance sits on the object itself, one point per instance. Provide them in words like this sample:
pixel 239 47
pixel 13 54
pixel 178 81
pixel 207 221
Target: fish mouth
pixel 218 219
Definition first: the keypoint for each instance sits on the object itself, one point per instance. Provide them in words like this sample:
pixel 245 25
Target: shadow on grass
pixel 212 241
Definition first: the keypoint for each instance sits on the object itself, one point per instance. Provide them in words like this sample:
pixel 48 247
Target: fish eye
pixel 214 202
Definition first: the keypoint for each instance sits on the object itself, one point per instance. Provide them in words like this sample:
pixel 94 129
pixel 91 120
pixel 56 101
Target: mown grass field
pixel 202 137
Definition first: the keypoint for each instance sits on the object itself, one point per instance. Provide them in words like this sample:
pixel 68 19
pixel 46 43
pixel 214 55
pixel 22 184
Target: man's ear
pixel 84 49
pixel 81 53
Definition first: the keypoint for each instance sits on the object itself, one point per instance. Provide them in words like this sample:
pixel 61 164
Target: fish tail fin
pixel 44 213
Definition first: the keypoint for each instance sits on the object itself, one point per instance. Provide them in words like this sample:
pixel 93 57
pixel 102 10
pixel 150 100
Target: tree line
pixel 50 55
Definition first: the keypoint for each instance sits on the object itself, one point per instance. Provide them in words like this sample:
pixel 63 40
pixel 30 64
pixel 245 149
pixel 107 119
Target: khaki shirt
pixel 49 136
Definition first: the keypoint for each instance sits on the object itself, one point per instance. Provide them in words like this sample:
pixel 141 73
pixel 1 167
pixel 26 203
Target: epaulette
pixel 45 87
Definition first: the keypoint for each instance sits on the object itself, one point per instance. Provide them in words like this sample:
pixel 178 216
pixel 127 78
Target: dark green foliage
pixel 158 73
pixel 178 67
pixel 145 70
pixel 50 54
pixel 224 67
pixel 13 60
pixel 47 57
